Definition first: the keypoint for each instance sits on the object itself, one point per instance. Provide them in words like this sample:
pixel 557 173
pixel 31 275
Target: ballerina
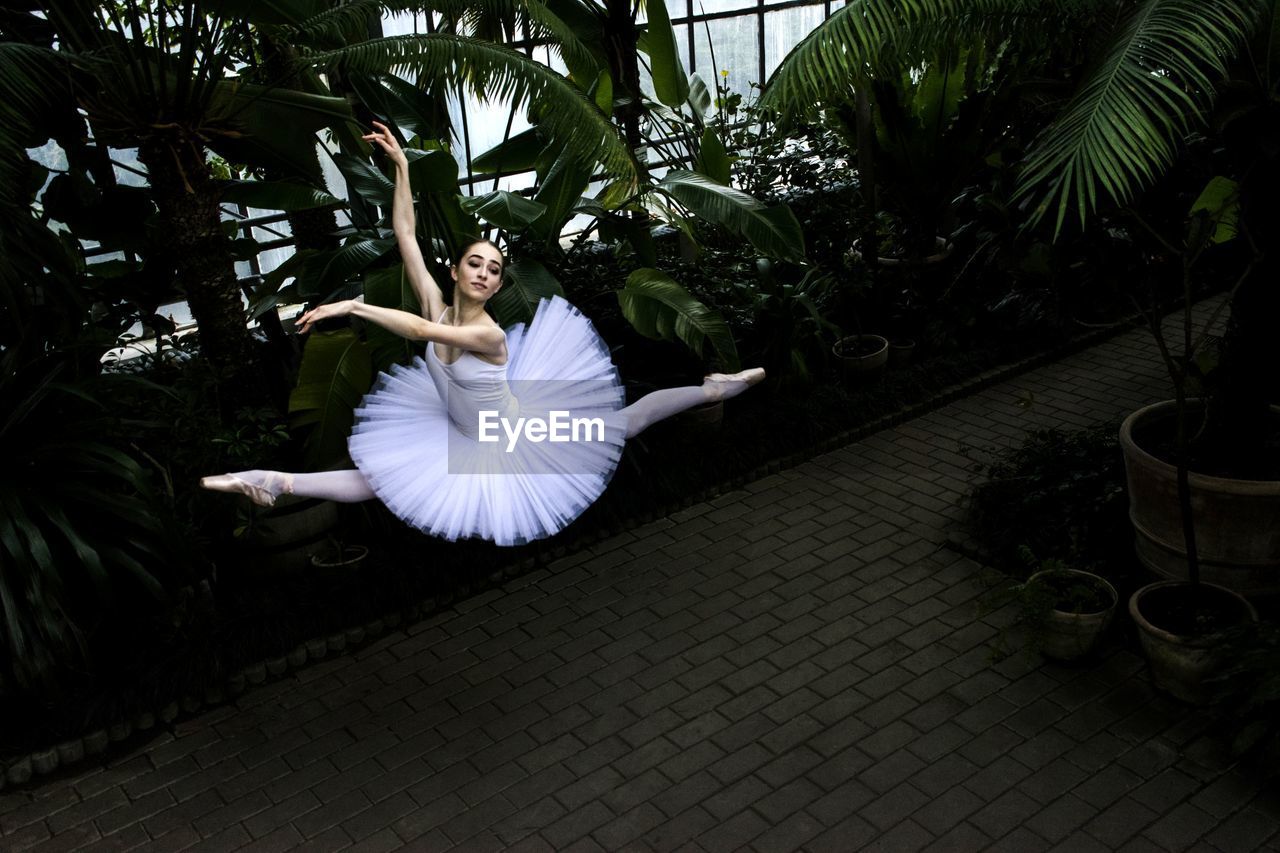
pixel 503 435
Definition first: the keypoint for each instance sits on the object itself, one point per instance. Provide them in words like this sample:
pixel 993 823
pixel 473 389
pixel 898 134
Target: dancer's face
pixel 479 273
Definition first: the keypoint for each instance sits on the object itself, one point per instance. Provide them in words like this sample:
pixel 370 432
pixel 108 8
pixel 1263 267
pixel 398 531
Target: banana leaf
pixel 526 283
pixel 336 372
pixel 659 308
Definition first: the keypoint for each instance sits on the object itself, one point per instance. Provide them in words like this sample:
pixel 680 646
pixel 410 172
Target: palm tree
pixel 1150 83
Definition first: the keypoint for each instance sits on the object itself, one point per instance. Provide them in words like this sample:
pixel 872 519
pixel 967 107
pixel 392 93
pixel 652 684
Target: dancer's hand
pixel 386 140
pixel 323 312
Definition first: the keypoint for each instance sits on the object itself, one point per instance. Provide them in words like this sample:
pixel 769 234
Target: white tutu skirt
pixel 417 435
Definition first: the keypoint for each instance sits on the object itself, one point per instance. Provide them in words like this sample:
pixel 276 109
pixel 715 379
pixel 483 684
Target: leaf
pixel 497 73
pixel 774 231
pixel 1154 81
pixel 526 283
pixel 713 161
pixel 661 309
pixel 699 95
pixel 517 154
pixel 364 180
pixel 1220 202
pixel 601 92
pixel 389 288
pixel 432 171
pixel 560 189
pixel 336 372
pixel 670 83
pixel 276 195
pixel 326 272
pixel 402 105
pixel 507 210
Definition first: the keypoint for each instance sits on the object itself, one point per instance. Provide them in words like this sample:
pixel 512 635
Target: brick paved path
pixel 796 664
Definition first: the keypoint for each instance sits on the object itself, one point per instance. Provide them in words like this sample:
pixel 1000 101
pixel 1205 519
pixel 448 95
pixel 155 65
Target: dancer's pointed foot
pixel 751 376
pixel 269 486
pixel 722 386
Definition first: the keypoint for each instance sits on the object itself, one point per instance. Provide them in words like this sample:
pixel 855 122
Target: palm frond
pixel 495 72
pixel 1153 83
pixel 854 42
pixel 31 79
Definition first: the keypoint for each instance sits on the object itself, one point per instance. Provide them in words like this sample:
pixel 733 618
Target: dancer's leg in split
pixel 658 405
pixel 263 487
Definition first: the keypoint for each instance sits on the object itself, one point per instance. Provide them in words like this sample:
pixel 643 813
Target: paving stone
pixel 1165 790
pixel 1052 781
pixel 1180 828
pixel 733 833
pixel 1120 822
pixel 1061 818
pixel 853 833
pixel 1244 830
pixel 947 811
pixel 1000 816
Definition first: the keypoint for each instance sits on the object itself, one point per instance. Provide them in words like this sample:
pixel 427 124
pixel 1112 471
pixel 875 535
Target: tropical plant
pixel 1151 81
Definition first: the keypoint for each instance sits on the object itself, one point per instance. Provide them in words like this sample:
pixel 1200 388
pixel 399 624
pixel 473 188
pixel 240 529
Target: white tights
pixel 351 487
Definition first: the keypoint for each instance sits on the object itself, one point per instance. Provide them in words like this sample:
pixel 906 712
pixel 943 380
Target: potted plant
pixel 1182 627
pixel 1065 612
pixel 861 357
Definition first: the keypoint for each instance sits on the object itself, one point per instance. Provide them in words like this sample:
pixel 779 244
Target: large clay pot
pixel 1180 665
pixel 1237 522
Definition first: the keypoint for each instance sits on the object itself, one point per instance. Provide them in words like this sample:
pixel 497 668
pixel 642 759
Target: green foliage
pixel 336 372
pixel 1151 83
pixel 1057 493
pixel 527 282
pixel 80 522
pixel 1247 690
pixel 661 309
pixel 773 231
pixel 495 72
pixel 1052 587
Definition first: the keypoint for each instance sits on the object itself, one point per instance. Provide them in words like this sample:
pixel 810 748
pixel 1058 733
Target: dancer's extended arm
pixel 477 338
pixel 402 223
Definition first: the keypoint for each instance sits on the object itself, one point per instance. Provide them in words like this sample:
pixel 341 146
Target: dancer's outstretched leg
pixel 653 407
pixel 263 487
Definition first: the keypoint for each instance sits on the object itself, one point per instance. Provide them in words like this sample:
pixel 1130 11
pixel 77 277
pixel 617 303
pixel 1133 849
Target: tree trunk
pixel 193 239
pixel 624 68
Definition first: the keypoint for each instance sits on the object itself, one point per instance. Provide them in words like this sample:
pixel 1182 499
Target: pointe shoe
pixel 751 376
pixel 261 495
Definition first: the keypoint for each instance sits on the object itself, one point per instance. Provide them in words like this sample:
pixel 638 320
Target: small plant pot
pixel 333 558
pixel 1073 631
pixel 901 352
pixel 1182 661
pixel 862 358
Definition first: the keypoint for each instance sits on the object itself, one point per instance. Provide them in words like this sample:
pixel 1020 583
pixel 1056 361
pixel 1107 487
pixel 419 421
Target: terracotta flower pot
pixel 1182 662
pixel 1237 522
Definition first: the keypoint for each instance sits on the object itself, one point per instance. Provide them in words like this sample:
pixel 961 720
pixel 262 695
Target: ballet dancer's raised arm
pixel 429 294
pixel 476 337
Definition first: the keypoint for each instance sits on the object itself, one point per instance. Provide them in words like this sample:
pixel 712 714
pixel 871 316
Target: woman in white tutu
pixel 506 436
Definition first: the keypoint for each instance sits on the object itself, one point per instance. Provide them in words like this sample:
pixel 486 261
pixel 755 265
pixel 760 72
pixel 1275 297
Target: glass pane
pixel 735 48
pixel 702 7
pixel 403 23
pixel 784 29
